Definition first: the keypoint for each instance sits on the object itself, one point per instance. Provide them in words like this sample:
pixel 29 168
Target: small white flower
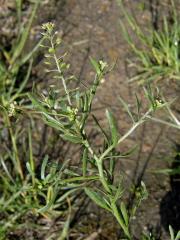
pixel 102 80
pixel 56 105
pixel 12 109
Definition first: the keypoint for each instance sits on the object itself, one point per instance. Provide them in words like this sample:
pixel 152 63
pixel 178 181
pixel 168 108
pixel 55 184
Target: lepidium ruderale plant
pixel 68 111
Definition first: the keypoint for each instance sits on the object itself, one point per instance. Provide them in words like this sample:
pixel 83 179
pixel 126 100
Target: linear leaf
pixel 24 36
pixel 28 56
pixel 100 128
pixel 113 127
pixel 177 236
pixel 71 138
pixel 65 230
pixel 66 195
pixel 85 160
pixel 171 232
pixel 36 103
pixel 28 166
pixel 97 198
pixel 24 82
pixel 51 196
pixel 127 109
pixel 96 66
pixel 43 167
pixel 52 122
pixel 124 213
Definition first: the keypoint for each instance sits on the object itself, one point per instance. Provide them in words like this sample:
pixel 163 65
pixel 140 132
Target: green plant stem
pixel 102 177
pixel 99 162
pixel 177 122
pixel 60 72
pixel 164 122
pixel 13 139
pixel 99 165
pixel 104 182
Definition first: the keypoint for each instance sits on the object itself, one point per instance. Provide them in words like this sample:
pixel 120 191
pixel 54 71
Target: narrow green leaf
pixel 6 169
pixel 85 161
pixel 138 105
pixel 52 122
pixel 169 171
pixel 36 103
pixel 43 167
pixel 51 196
pixel 72 138
pixel 123 155
pixel 29 55
pixel 18 9
pixel 111 165
pixel 46 207
pixel 31 159
pixel 100 128
pixel 24 36
pixel 28 166
pixel 65 230
pixel 78 99
pixel 97 198
pixel 24 82
pixel 124 213
pixel 171 232
pixel 14 196
pixel 144 192
pixel 66 195
pixel 119 190
pixel 177 236
pixel 96 66
pixel 79 178
pixel 126 108
pixel 86 103
pixel 113 127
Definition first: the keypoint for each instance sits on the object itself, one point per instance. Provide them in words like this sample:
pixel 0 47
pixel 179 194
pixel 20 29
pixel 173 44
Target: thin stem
pixel 104 182
pixel 102 178
pixel 173 116
pixel 164 122
pixel 19 167
pixel 125 136
pixel 100 167
pixel 60 72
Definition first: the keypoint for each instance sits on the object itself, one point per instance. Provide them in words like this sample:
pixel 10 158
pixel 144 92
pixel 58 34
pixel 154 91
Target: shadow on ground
pixel 170 204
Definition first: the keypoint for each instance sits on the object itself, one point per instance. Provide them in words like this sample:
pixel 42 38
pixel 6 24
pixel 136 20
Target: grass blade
pixel 43 167
pixel 20 46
